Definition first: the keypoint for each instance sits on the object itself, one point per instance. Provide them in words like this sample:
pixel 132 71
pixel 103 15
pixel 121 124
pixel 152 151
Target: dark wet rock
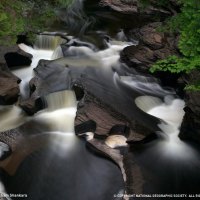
pixel 31 106
pixel 149 36
pixel 9 88
pixel 87 126
pixel 135 7
pixel 120 130
pixel 138 57
pixel 147 139
pixel 152 47
pixel 14 56
pixel 4 50
pixel 5 151
pixel 14 59
pixel 95 111
pixel 169 79
pixel 79 91
pixel 23 38
pixel 190 128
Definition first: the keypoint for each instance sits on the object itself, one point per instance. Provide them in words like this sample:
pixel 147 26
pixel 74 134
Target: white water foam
pixel 88 57
pixel 26 73
pixel 46 48
pixel 171 112
pixel 13 116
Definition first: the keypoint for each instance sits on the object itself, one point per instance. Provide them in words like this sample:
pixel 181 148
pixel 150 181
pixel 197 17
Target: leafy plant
pixel 187 25
pixel 193 88
pixel 175 64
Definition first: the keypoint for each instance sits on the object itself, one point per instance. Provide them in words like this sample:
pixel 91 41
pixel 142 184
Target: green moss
pixel 27 16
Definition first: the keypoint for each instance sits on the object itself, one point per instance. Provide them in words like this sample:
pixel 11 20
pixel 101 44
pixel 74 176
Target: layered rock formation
pixel 153 46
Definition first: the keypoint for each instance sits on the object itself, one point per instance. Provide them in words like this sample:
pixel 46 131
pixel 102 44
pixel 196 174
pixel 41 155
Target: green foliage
pixel 186 23
pixel 9 23
pixel 175 64
pixel 193 88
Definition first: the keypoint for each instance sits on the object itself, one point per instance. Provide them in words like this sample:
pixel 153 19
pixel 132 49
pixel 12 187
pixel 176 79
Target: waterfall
pixel 48 42
pixel 60 112
pixel 11 117
pixel 46 47
pixel 57 53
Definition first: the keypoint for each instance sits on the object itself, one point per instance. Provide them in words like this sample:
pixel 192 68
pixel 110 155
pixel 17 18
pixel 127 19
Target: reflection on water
pixel 65 169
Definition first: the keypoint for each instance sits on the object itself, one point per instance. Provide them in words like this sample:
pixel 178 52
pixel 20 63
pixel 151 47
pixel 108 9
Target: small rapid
pixel 170 112
pixel 48 160
pixel 45 48
pixel 48 145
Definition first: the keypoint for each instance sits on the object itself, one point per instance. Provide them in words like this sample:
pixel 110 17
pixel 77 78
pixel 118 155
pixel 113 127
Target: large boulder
pixel 153 46
pixel 14 56
pixel 15 59
pixel 4 50
pixel 136 7
pixel 190 128
pixel 9 88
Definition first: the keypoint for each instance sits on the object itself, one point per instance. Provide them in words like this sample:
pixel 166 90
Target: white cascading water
pixel 60 112
pixel 84 56
pixel 46 48
pixel 171 112
pixel 13 116
pixel 61 106
pixel 145 84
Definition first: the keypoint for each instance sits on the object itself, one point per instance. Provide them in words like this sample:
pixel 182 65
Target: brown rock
pixel 152 47
pixel 135 7
pixel 32 105
pixel 93 110
pixel 9 88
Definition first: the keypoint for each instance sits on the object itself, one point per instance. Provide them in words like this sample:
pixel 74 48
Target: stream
pixel 50 162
